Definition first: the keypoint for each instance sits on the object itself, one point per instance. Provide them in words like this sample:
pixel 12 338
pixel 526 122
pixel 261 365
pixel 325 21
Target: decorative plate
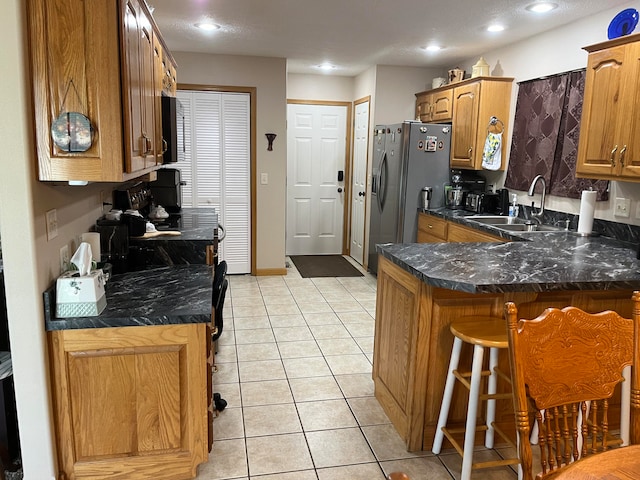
pixel 623 23
pixel 72 132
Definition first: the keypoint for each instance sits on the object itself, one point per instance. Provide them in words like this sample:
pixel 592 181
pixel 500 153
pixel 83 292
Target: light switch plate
pixel 52 224
pixel 622 207
pixel 264 178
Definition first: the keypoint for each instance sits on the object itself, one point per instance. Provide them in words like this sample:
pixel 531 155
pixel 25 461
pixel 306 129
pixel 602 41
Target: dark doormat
pixel 311 266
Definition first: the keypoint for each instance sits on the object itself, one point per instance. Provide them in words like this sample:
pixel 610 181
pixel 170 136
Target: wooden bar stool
pixel 481 332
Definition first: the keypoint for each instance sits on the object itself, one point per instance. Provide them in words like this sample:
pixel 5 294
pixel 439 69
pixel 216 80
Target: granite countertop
pixel 195 224
pixel 541 262
pixel 160 296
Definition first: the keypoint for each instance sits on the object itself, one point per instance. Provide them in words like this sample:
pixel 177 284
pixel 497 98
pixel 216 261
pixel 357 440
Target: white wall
pixel 557 51
pixel 268 75
pixel 319 87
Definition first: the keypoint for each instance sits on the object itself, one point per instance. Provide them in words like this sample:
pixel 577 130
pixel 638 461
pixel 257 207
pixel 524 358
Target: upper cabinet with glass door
pixel 609 146
pixel 94 61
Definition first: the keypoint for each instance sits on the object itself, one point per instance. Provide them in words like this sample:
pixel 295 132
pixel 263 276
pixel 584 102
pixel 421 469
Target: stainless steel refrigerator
pixel 407 157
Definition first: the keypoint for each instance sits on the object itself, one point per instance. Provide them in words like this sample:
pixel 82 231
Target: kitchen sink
pixel 522 228
pixel 495 219
pixel 511 224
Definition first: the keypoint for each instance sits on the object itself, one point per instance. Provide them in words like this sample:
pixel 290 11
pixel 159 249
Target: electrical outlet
pixel 52 224
pixel 64 258
pixel 622 207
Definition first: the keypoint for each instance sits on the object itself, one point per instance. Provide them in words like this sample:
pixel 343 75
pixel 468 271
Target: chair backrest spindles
pixel 565 366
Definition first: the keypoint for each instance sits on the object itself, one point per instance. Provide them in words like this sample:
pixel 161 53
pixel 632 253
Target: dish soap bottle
pixel 513 207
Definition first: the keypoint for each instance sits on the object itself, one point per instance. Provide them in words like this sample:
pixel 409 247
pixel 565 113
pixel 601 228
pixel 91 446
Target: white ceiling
pixel 356 34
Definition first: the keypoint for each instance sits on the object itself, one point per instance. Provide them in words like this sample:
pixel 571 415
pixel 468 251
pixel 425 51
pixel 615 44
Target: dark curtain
pixel 545 136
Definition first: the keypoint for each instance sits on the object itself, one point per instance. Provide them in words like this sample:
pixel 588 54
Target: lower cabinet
pixel 433 229
pixel 131 402
pixel 413 342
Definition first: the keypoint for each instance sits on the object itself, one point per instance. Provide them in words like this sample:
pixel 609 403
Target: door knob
pixel 339 190
pixel 361 194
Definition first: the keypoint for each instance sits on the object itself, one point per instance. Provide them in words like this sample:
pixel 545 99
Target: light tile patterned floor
pixel 294 365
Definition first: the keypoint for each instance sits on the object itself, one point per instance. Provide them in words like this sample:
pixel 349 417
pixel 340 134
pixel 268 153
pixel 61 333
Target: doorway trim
pixel 346 221
pixel 251 91
pixel 365 240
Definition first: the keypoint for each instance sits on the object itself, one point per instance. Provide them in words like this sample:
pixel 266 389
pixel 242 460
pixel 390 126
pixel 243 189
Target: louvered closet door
pixel 216 166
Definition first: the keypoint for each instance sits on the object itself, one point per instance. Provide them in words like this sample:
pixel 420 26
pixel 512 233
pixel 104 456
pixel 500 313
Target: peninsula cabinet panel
pixel 395 364
pixel 130 402
pixel 79 63
pixel 609 145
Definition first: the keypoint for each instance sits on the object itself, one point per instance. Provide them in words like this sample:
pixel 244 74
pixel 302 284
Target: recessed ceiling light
pixel 433 48
pixel 207 26
pixel 542 7
pixel 495 28
pixel 326 66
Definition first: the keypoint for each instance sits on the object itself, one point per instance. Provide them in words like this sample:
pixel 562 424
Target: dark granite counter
pixel 196 226
pixel 540 262
pixel 161 296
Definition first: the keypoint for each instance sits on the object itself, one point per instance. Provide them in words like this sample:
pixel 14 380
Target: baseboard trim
pixel 261 272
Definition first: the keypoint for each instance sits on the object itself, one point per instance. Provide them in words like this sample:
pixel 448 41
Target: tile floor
pixel 294 365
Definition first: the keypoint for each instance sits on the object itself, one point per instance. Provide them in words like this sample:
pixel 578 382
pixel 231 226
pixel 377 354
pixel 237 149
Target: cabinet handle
pixel 470 151
pixel 149 144
pixel 622 152
pixel 429 225
pixel 165 147
pixel 613 158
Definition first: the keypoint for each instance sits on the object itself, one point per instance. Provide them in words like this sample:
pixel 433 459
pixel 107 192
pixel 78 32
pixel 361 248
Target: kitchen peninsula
pixel 132 386
pixel 423 287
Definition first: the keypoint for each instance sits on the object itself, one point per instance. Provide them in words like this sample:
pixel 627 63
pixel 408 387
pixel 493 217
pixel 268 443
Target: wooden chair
pixel 565 365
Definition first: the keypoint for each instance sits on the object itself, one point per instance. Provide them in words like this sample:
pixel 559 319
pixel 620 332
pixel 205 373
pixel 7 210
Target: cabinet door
pixel 629 157
pixel 465 124
pixel 442 105
pixel 423 107
pixel 138 88
pixel 459 233
pixel 158 70
pixel 130 402
pixel 602 110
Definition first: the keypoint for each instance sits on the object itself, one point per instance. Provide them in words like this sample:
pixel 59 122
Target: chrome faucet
pixel 538 216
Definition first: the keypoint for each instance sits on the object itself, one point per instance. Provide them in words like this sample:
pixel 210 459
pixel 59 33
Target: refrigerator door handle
pixel 382 182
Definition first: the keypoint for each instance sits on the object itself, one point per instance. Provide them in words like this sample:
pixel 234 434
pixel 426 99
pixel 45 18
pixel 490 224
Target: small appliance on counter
pixel 464 191
pixel 167 189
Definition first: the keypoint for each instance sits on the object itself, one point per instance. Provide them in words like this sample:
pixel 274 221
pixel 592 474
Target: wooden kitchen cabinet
pixel 131 402
pixel 431 229
pixel 435 229
pixel 435 105
pixel 95 58
pixel 475 101
pixel 609 146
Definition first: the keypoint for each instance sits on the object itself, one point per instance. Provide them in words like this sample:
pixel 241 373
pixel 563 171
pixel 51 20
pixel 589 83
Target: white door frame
pixel 347 162
pixel 360 203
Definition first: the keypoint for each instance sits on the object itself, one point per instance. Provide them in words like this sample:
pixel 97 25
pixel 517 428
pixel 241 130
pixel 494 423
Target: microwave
pixel 173 129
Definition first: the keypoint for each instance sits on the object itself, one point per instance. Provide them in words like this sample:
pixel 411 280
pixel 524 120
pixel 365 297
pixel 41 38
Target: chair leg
pixel 492 388
pixel 447 396
pixel 470 428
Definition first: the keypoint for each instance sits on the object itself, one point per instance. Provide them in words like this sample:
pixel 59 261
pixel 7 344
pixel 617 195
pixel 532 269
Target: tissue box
pixel 78 296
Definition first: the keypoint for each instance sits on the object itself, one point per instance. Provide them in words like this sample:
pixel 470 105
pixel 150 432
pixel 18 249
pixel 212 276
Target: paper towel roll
pixel 587 209
pixel 93 239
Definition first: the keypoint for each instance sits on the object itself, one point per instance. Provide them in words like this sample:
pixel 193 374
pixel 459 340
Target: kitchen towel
pixel 93 239
pixel 492 153
pixel 587 209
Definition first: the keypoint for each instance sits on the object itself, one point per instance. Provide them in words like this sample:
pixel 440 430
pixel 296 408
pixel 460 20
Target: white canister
pixel 480 69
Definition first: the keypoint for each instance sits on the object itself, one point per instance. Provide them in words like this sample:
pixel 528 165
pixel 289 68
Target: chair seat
pixel 489 332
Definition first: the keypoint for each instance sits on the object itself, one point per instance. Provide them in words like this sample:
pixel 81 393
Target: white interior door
pixel 359 181
pixel 316 150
